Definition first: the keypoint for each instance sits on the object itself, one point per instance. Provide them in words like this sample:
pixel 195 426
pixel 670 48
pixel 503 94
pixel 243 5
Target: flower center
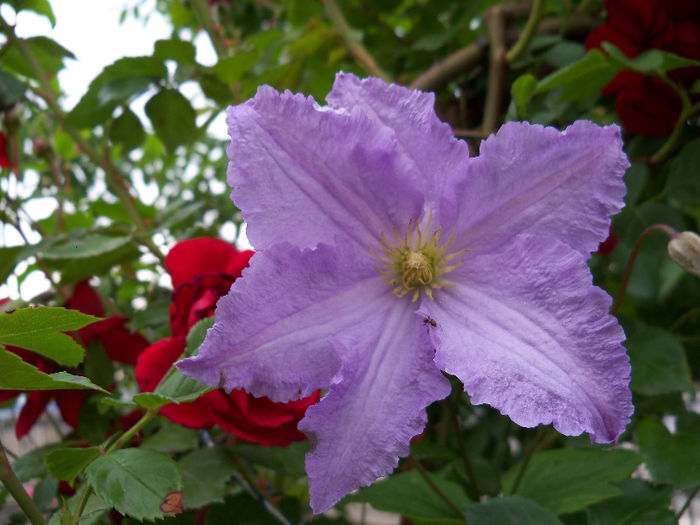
pixel 416 262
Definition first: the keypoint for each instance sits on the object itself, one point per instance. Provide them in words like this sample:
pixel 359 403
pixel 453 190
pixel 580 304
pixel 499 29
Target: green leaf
pixel 127 130
pixel 149 400
pixel 640 504
pixel 73 270
pixel 673 459
pixel 204 476
pixel 636 178
pixel 31 465
pixel 563 53
pixel 172 438
pixel 15 374
pixel 116 84
pixel 285 460
pixel 134 481
pixel 9 257
pixel 88 246
pixel 94 510
pixel 179 388
pixel 11 89
pixel 683 184
pixel 40 7
pixel 230 70
pixel 49 54
pixel 408 494
pixel 39 330
pixel 568 480
pixel 65 464
pixel 246 510
pixel 522 90
pixel 180 51
pixel 659 364
pixel 511 510
pixel 172 117
pixel 583 78
pixel 44 492
pixel 654 60
pixel 196 336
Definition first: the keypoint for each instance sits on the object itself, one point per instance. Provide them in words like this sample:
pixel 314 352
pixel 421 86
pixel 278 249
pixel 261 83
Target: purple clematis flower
pixel 387 254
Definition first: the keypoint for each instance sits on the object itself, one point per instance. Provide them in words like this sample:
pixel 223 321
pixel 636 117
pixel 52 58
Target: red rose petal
pixel 32 409
pixel 156 360
pixel 194 257
pixel 69 403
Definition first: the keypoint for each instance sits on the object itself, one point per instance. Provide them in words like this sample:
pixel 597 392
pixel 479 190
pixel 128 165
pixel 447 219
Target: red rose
pixel 255 419
pixel 118 342
pixel 608 245
pixel 202 270
pixel 646 105
pixel 4 157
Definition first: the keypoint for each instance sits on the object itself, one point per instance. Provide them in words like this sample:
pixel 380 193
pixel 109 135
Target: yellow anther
pixel 417 261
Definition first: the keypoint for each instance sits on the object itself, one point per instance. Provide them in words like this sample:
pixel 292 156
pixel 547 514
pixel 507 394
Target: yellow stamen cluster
pixel 416 262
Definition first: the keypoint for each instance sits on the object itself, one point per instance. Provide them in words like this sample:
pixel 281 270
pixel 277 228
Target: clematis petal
pixel 422 136
pixel 271 331
pixel 324 172
pixel 376 403
pixel 534 179
pixel 534 339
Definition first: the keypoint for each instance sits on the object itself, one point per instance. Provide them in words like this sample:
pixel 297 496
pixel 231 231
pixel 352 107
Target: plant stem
pixel 528 32
pixel 15 488
pixel 531 450
pixel 633 257
pixel 687 503
pixel 426 476
pixel 203 15
pixel 126 436
pixel 475 492
pixel 258 492
pixel 496 23
pixel 354 46
pixel 683 318
pixel 462 60
pixel 687 109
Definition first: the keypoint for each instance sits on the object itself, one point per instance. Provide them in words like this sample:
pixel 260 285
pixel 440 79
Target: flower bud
pixel 684 249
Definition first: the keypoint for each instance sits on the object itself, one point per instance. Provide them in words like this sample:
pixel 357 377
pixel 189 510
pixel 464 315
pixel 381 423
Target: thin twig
pixel 203 15
pixel 354 46
pixel 449 68
pixel 683 318
pixel 426 476
pixel 530 451
pixel 633 257
pixel 687 503
pixel 496 23
pixel 528 32
pixel 476 492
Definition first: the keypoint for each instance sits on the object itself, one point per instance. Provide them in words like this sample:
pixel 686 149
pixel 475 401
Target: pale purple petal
pixel 538 180
pixel 527 332
pixel 271 331
pixel 376 404
pixel 303 174
pixel 422 136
